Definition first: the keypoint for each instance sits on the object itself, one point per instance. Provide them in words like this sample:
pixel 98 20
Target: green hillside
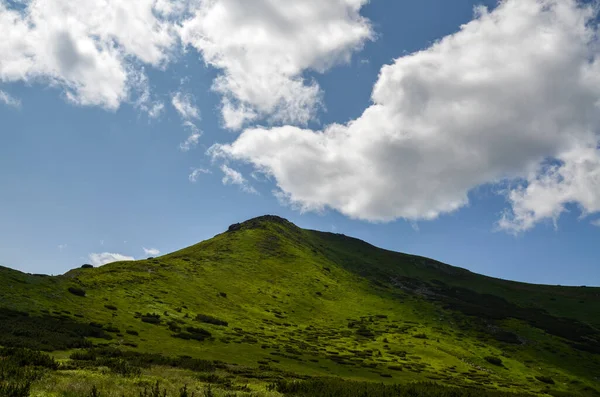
pixel 269 300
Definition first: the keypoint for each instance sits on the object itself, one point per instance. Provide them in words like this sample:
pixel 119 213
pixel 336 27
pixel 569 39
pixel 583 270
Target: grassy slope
pixel 295 292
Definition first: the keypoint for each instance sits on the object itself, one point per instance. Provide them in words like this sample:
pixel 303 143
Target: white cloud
pixel 95 51
pixel 184 104
pixel 596 222
pixel 193 137
pixel 575 180
pixel 61 247
pixel 513 88
pixel 9 100
pixel 196 172
pixel 151 251
pixel 99 259
pixel 263 47
pixel 90 49
pixel 144 102
pixel 233 177
pixel 156 110
pixel 190 142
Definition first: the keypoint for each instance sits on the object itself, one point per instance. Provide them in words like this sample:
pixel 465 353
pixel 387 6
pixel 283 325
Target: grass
pixel 274 301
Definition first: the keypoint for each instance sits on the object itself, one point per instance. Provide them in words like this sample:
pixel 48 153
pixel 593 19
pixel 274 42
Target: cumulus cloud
pixel 99 259
pixel 196 172
pixel 263 47
pixel 513 90
pixel 233 177
pixel 151 251
pixel 95 51
pixel 90 49
pixel 545 196
pixel 596 222
pixel 9 100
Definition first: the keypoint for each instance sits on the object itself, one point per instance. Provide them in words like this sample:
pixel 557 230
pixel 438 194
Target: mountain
pixel 266 292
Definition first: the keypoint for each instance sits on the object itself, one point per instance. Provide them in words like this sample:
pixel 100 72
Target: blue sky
pixel 432 127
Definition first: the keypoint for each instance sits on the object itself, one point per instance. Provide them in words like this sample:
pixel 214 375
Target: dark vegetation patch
pixel 87 266
pixel 493 307
pixel 506 337
pixel 111 328
pixel 46 332
pixel 203 318
pixel 194 333
pixel 151 318
pixel 25 357
pixel 110 307
pixel 494 360
pixel 145 360
pixel 545 379
pixel 19 368
pixel 234 227
pixel 334 387
pixel 77 291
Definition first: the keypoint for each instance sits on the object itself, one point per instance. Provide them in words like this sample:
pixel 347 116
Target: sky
pixel 464 131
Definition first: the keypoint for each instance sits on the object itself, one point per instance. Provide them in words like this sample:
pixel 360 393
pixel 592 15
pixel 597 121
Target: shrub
pixel 110 307
pixel 545 379
pixel 132 332
pixel 211 320
pixel 77 291
pixel 87 266
pixel 234 227
pixel 151 318
pixel 342 388
pixel 363 331
pixel 25 357
pixel 94 392
pixel 15 389
pixel 44 332
pixel 174 327
pixel 19 368
pixel 87 355
pixel 120 366
pixel 507 337
pixel 198 331
pixel 420 336
pixel 146 360
pixel 493 360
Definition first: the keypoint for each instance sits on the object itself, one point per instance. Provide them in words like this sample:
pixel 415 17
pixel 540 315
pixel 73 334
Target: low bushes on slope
pixel 19 368
pixel 333 387
pixel 46 333
pixel 143 360
pixel 204 318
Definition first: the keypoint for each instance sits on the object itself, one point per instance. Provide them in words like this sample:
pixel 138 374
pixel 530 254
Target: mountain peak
pixel 259 222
